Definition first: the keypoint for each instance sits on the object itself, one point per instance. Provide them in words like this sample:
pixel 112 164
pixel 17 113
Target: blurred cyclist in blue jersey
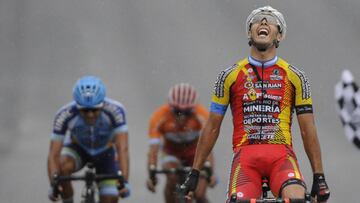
pixel 98 133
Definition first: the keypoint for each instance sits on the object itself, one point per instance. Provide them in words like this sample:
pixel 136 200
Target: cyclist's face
pixel 181 114
pixel 90 114
pixel 264 31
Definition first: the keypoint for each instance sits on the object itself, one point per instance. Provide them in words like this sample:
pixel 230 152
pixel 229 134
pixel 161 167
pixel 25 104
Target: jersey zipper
pixel 92 138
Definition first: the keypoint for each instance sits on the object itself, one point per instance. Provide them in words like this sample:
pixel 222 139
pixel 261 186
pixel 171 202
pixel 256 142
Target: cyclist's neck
pixel 255 62
pixel 266 55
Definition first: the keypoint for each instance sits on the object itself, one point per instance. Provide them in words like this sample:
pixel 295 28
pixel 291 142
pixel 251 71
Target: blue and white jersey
pixel 94 139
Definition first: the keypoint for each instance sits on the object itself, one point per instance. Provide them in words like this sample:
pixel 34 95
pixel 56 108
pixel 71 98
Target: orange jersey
pixel 176 136
pixel 262 97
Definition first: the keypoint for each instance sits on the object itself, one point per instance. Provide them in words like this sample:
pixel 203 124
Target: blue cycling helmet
pixel 89 92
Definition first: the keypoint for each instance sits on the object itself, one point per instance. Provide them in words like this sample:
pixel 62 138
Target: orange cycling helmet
pixel 182 96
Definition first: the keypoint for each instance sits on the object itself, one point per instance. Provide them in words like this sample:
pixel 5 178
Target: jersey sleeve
pixel 117 113
pixel 156 119
pixel 61 121
pixel 121 125
pixel 221 94
pixel 303 99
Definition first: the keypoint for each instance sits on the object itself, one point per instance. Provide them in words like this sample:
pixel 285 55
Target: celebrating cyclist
pixel 263 90
pixel 96 131
pixel 174 129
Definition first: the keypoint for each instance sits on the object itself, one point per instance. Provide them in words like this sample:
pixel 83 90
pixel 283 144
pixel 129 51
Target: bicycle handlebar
pixel 89 177
pixel 205 172
pixel 183 170
pixel 271 200
pixel 291 200
pixel 92 177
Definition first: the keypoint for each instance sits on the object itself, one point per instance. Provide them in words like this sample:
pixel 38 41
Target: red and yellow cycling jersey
pixel 176 136
pixel 262 97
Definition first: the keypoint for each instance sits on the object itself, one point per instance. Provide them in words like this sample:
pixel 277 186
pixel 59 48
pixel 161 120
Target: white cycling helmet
pixel 182 96
pixel 267 10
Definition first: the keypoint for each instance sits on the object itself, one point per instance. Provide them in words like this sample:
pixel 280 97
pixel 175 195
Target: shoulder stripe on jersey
pixel 220 81
pixel 62 118
pixel 306 92
pixel 115 111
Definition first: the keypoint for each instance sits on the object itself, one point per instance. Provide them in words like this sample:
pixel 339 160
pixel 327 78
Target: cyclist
pixel 98 133
pixel 263 90
pixel 174 129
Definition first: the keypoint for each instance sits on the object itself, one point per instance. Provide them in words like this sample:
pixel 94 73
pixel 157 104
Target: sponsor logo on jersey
pixel 261 120
pixel 268 128
pixel 303 109
pixel 266 85
pixel 276 75
pixel 262 108
pixel 60 120
pixel 258 136
pixel 248 84
pixel 259 95
pixel 252 94
pixel 116 112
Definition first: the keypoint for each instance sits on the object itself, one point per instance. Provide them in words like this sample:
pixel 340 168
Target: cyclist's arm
pixel 155 134
pixel 311 141
pixel 207 139
pixel 121 144
pixel 54 157
pixel 153 154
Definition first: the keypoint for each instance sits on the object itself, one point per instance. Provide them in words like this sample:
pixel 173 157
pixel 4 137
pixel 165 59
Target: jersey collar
pixel 264 64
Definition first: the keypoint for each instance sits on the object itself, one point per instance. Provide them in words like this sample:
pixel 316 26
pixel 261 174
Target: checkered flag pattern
pixel 347 95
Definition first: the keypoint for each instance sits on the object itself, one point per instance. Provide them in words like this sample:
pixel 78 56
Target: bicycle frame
pixel 90 178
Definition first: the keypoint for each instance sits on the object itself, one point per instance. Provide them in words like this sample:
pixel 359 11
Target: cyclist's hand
pixel 125 190
pixel 190 184
pixel 54 193
pixel 55 189
pixel 213 181
pixel 151 183
pixel 320 190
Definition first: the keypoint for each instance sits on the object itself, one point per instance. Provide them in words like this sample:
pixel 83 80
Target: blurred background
pixel 140 48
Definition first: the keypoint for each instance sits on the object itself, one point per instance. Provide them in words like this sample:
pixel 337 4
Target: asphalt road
pixel 140 48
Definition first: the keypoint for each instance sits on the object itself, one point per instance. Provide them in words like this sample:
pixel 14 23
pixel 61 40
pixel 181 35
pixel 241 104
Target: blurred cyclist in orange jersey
pixel 263 91
pixel 174 130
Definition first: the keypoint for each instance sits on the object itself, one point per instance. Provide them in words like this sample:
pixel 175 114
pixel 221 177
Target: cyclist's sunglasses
pixel 179 112
pixel 89 110
pixel 269 19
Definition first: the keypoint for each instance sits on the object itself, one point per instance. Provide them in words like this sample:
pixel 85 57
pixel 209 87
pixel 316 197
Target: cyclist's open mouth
pixel 263 32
